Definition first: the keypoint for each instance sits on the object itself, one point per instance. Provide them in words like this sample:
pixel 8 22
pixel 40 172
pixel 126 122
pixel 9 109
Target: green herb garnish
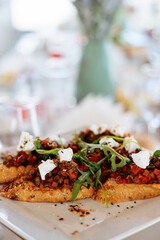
pixel 108 136
pixel 111 154
pixel 156 153
pixel 37 144
pixel 91 176
pixel 51 151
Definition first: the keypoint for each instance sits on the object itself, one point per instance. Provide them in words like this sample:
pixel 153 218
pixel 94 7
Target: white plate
pixel 41 220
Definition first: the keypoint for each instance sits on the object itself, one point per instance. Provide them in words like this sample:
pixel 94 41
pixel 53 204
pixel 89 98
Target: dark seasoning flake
pixel 78 210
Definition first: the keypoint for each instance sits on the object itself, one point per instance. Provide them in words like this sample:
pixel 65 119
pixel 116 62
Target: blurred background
pixel 64 64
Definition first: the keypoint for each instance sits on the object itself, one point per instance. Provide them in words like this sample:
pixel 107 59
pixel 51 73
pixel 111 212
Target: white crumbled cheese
pixel 117 131
pixel 141 159
pixel 98 129
pixel 66 154
pixel 26 142
pixel 109 141
pixel 58 139
pixel 46 167
pixel 130 144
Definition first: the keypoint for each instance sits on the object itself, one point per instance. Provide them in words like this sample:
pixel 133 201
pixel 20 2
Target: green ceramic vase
pixel 96 74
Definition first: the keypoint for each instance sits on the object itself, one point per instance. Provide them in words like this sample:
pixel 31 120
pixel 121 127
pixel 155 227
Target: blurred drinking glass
pixel 16 117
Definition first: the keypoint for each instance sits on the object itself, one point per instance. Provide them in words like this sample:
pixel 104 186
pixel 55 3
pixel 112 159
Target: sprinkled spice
pixel 93 219
pixel 92 210
pixel 61 219
pixel 127 207
pixel 135 202
pixel 76 209
pixel 118 205
pixel 132 206
pixel 55 205
pixel 73 233
pixel 81 223
pixel 86 225
pixel 112 203
pixel 61 202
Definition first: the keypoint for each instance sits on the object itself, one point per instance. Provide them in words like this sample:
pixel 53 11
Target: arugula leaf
pixel 89 181
pixel 113 163
pixel 37 144
pixel 104 193
pixel 126 142
pixel 45 157
pixel 76 188
pixel 85 184
pixel 113 152
pixel 84 175
pixel 51 151
pixel 108 136
pixel 102 160
pixel 98 176
pixel 156 153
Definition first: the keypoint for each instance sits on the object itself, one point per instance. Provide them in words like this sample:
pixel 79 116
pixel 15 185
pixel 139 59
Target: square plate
pixel 54 221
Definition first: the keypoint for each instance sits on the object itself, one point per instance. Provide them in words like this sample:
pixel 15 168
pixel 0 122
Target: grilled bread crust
pixel 23 190
pixel 9 174
pixel 126 192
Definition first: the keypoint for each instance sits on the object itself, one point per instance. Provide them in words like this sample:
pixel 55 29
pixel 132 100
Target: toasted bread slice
pixel 9 174
pixel 126 192
pixel 23 190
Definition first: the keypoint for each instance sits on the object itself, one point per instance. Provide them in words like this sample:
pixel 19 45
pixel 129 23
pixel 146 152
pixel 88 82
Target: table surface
pixel 7 234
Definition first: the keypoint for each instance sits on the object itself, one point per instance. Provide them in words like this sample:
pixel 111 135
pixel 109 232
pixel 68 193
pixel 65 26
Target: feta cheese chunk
pixel 46 167
pixel 130 144
pixel 110 142
pixel 58 139
pixel 65 154
pixel 141 159
pixel 98 129
pixel 117 131
pixel 26 142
